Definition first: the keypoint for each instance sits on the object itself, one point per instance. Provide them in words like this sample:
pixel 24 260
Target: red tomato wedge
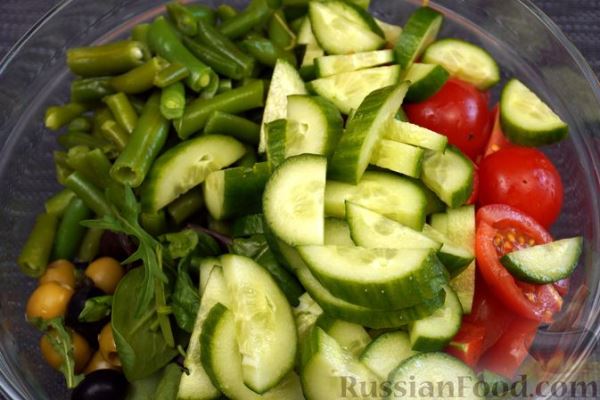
pixel 500 230
pixel 467 345
pixel 497 139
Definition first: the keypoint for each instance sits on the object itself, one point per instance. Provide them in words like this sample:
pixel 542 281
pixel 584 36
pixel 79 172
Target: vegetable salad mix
pixel 264 203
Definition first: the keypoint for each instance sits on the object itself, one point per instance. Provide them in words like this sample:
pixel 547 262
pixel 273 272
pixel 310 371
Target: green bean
pixel 211 90
pixel 280 33
pixel 139 33
pixel 80 124
pixel 92 164
pixel 225 85
pixel 146 141
pixel 171 74
pixel 101 115
pixel 217 61
pixel 185 206
pixel 233 125
pixel 88 90
pixel 137 103
pixel 58 202
pixel 114 133
pixel 91 195
pixel 70 231
pixel 154 223
pixel 172 101
pixel 90 245
pixel 248 159
pixel 109 59
pixel 183 18
pixel 35 254
pixel 256 14
pixel 219 43
pixel 62 168
pixel 202 12
pixel 58 116
pixel 164 41
pixel 122 110
pixel 225 12
pixel 265 51
pixel 234 101
pixel 139 79
pixel 72 139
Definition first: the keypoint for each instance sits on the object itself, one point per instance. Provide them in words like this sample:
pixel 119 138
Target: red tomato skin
pixel 459 111
pixel 497 139
pixel 467 344
pixel 523 178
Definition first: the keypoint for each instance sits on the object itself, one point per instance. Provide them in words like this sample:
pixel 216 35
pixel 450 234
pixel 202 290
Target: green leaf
pixel 179 244
pixel 96 308
pixel 186 298
pixel 62 342
pixel 169 383
pixel 249 247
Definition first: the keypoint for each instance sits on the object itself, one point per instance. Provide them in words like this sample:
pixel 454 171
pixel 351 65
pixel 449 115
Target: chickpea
pixel 61 272
pixel 98 362
pixel 81 351
pixel 108 348
pixel 48 301
pixel 105 272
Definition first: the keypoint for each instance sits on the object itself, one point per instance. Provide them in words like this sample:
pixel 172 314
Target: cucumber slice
pixel 373 230
pixel 426 80
pixel 285 81
pixel 424 369
pixel 333 65
pixel 434 204
pixel 266 334
pixel 205 267
pixel 342 29
pixel 526 119
pixel 390 32
pixel 312 50
pixel 306 314
pixel 545 263
pixel 398 157
pixel 235 192
pixel 386 279
pixel 455 258
pixel 353 338
pixel 293 200
pixel 185 166
pixel 464 286
pixel 353 153
pixel 465 61
pixel 326 367
pixel 288 283
pixel 248 225
pixel 408 133
pixel 384 354
pixel 420 30
pixel 276 133
pixel 433 333
pixel 396 197
pixel 439 222
pixel 449 175
pixel 337 233
pixel 348 89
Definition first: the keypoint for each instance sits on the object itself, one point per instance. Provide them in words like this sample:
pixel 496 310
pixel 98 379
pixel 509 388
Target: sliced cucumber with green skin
pixel 426 80
pixel 326 367
pixel 276 133
pixel 396 197
pixel 373 230
pixel 455 258
pixel 353 338
pixel 408 133
pixel 424 369
pixel 185 166
pixel 348 89
pixel 449 175
pixel 234 192
pixel 312 50
pixel 398 157
pixel 337 233
pixel 285 81
pixel 465 61
pixel 433 333
pixel 420 30
pixel 384 353
pixel 545 263
pixel 336 64
pixel 287 282
pixel 205 267
pixel 266 334
pixel 306 314
pixel 434 204
pixel 341 29
pixel 248 225
pixel 323 121
pixel 390 32
pixel 386 279
pixel 363 132
pixel 526 119
pixel 293 200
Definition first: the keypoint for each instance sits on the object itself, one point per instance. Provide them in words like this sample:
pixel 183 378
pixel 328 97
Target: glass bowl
pixel 524 41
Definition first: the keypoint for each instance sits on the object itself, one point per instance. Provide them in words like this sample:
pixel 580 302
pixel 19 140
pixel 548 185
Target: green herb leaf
pixel 62 341
pixel 186 298
pixel 169 383
pixel 96 308
pixel 249 247
pixel 179 244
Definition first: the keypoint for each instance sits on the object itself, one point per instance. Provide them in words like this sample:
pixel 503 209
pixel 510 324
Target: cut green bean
pixel 183 18
pixel 265 51
pixel 89 90
pixel 109 59
pixel 58 116
pixel 57 203
pixel 164 41
pixel 172 101
pixel 234 126
pixel 216 60
pixel 91 195
pixel 211 90
pixel 256 14
pixel 114 133
pixel 146 141
pixel 139 79
pixel 122 110
pixel 137 103
pixel 202 13
pixel 225 12
pixel 154 223
pixel 90 245
pixel 92 164
pixel 139 33
pixel 171 74
pixel 185 206
pixel 225 85
pixel 72 139
pixel 62 168
pixel 234 101
pixel 70 231
pixel 280 33
pixel 80 124
pixel 35 254
pixel 101 115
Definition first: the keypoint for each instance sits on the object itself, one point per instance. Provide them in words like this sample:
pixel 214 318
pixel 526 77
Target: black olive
pixel 89 330
pixel 102 384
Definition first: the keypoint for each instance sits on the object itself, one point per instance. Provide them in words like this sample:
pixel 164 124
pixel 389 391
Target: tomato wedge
pixel 500 230
pixel 467 345
pixel 497 139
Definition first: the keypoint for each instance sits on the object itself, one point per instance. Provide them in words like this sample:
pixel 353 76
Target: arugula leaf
pixel 186 298
pixel 179 244
pixel 96 308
